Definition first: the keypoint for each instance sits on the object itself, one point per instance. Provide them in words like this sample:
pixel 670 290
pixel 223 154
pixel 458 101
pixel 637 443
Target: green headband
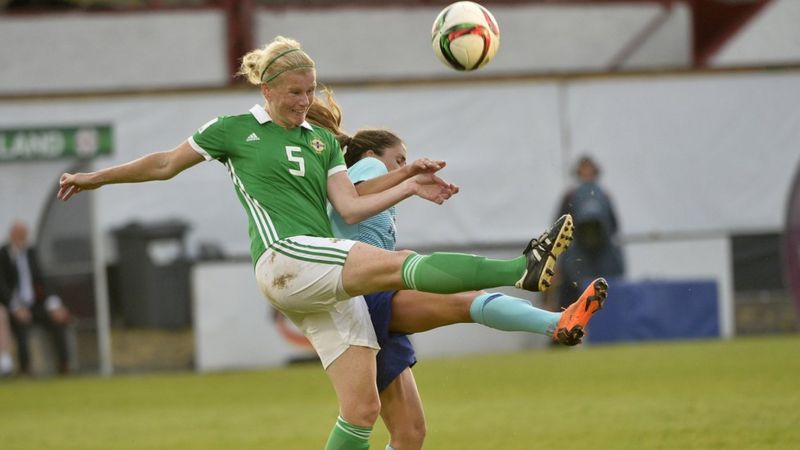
pixel 264 72
pixel 304 66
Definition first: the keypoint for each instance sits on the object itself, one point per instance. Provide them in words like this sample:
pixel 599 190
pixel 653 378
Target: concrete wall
pixel 394 42
pixel 681 155
pixel 90 52
pixel 107 51
pixel 773 37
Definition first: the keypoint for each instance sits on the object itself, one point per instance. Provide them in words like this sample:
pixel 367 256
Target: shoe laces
pixel 541 245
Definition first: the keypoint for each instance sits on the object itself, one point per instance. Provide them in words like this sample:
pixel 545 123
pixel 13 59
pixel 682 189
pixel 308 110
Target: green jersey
pixel 279 175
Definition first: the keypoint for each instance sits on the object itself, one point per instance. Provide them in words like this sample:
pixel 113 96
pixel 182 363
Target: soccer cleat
pixel 573 321
pixel 541 254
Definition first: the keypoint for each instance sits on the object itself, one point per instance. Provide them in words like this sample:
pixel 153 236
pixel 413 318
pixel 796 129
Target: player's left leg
pixel 370 269
pixel 402 413
pixel 415 312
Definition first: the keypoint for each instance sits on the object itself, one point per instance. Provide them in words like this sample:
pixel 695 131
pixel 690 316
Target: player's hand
pixel 425 165
pixel 432 188
pixel 70 184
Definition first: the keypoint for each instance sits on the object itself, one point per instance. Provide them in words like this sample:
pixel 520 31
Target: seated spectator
pixel 31 300
pixel 6 364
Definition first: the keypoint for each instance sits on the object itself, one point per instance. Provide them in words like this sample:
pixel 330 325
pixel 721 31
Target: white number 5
pixel 298 159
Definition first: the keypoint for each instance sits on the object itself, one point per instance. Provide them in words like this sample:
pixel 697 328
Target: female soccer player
pixel 372 153
pixel 284 172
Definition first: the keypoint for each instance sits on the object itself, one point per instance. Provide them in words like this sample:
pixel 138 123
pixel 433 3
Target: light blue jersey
pixel 379 230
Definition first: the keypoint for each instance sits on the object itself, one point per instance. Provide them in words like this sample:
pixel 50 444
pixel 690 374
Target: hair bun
pixel 344 141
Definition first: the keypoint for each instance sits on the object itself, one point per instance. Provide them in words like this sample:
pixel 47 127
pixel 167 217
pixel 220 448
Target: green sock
pixel 346 436
pixel 448 273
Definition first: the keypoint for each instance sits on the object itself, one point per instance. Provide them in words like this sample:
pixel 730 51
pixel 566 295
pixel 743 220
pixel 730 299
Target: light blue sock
pixel 502 312
pixel 389 447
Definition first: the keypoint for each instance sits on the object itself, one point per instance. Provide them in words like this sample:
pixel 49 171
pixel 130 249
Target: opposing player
pixel 373 153
pixel 284 172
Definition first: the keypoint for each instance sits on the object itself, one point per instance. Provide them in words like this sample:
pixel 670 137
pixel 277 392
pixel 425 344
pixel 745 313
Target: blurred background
pixel 688 107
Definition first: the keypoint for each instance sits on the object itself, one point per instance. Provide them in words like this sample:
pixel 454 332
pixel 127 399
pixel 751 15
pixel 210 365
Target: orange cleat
pixel 573 321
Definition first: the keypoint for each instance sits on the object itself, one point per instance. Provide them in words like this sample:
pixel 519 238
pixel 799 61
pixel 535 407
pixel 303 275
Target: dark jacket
pixel 9 278
pixel 595 251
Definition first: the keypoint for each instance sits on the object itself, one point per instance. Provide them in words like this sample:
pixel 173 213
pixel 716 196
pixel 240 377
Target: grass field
pixel 741 394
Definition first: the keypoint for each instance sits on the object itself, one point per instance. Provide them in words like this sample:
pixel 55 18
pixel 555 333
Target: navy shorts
pixel 396 352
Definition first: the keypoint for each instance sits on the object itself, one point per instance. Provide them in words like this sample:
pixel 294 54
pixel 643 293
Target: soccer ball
pixel 465 36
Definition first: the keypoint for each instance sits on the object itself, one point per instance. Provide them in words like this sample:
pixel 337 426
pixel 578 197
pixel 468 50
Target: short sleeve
pixel 336 162
pixel 366 169
pixel 209 140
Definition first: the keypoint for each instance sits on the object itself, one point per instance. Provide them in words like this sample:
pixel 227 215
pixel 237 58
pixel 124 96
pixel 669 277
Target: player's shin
pixel 503 312
pixel 448 273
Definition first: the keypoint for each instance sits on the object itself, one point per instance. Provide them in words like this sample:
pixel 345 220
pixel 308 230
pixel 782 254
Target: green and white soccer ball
pixel 465 36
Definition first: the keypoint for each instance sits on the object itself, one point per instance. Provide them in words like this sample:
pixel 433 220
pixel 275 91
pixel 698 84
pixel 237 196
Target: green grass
pixel 741 394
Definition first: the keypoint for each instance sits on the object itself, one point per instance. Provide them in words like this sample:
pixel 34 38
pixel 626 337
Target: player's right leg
pixel 416 312
pixel 402 413
pixel 370 269
pixel 572 324
pixel 301 277
pixel 353 377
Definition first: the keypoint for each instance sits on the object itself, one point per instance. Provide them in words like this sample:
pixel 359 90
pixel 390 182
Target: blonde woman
pixel 284 172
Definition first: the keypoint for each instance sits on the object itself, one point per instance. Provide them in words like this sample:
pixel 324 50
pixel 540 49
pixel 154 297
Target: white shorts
pixel 301 277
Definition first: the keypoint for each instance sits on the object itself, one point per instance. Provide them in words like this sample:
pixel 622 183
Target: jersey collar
pixel 263 117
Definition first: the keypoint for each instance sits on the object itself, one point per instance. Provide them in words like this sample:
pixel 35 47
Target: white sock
pixel 6 364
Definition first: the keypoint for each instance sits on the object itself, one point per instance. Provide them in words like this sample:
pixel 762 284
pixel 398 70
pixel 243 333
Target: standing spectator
pixel 595 251
pixel 31 300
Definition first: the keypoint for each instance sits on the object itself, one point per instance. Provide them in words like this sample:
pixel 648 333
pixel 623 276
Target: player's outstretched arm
pixel 154 166
pixel 397 176
pixel 354 207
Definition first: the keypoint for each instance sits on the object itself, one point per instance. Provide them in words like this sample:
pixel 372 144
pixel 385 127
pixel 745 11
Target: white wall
pixel 394 42
pixel 681 154
pixel 773 37
pixel 232 322
pixel 501 142
pixel 75 52
pixel 692 154
pixel 108 51
pixel 687 259
pixel 668 43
